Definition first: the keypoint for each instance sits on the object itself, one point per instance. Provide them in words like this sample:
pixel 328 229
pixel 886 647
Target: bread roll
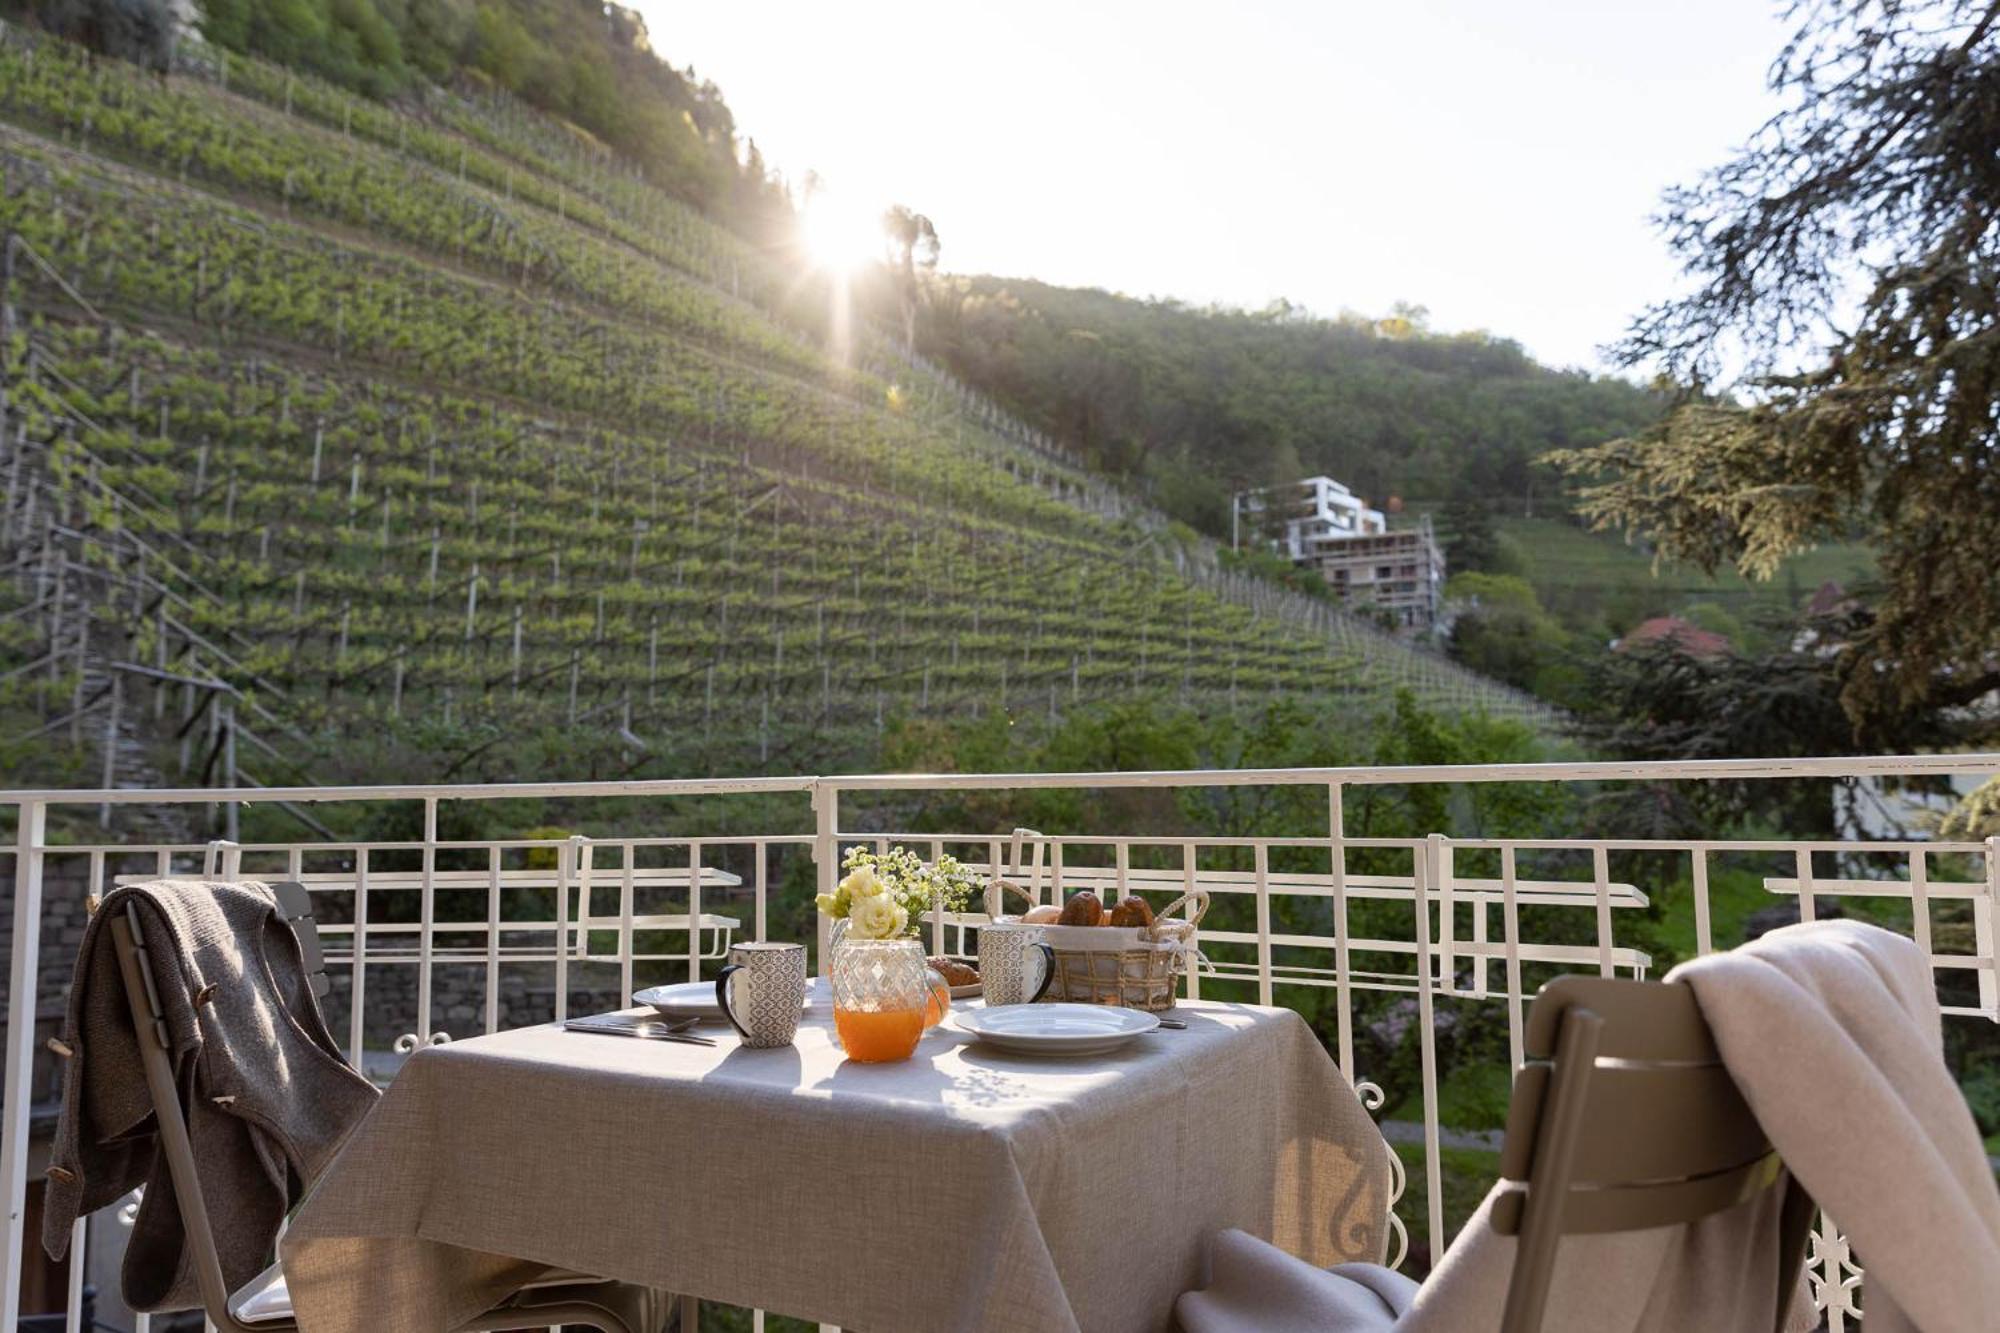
pixel 1132 912
pixel 1082 910
pixel 954 972
pixel 1045 915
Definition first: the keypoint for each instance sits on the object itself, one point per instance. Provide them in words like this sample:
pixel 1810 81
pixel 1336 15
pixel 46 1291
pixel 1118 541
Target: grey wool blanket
pixel 265 1094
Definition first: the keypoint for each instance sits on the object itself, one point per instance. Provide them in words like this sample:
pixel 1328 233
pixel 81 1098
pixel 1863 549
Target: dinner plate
pixel 1055 1029
pixel 696 999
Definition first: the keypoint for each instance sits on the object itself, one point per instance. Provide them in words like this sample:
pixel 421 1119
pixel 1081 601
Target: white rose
pixel 877 917
pixel 864 883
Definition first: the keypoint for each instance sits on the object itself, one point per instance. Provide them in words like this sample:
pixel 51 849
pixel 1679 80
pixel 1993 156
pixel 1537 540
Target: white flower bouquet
pixel 884 894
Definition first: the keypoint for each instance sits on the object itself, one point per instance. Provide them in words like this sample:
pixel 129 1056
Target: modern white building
pixel 1296 517
pixel 1322 524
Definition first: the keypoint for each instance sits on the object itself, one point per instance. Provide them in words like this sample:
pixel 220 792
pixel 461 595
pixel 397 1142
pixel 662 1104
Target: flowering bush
pixel 885 894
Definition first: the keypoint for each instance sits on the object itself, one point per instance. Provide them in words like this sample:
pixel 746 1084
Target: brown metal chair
pixel 1624 1119
pixel 263 1305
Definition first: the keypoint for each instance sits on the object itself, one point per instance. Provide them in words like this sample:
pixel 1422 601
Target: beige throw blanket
pixel 265 1094
pixel 1833 1034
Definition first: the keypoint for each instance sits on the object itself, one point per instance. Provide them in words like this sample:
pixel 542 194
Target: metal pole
pixel 21 981
pixel 1336 825
pixel 826 860
pixel 231 809
pixel 110 776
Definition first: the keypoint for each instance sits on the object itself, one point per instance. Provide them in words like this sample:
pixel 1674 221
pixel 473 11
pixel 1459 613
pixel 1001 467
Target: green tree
pixel 913 245
pixel 1472 543
pixel 1877 180
pixel 1502 631
pixel 141 31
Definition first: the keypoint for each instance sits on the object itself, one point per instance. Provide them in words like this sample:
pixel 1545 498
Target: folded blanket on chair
pixel 267 1098
pixel 1832 1033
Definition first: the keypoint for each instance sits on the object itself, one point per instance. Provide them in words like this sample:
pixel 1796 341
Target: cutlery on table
pixel 1175 1023
pixel 646 1029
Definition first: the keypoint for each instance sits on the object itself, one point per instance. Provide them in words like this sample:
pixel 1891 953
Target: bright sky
pixel 1494 162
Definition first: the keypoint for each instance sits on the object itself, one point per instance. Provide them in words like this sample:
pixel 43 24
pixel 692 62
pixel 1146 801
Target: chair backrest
pixel 1624 1118
pixel 142 994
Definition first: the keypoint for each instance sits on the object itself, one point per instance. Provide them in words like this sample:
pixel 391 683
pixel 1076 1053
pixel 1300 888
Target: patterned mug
pixel 768 994
pixel 1005 951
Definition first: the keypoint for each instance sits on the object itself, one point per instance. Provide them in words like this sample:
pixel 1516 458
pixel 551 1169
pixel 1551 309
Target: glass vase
pixel 881 989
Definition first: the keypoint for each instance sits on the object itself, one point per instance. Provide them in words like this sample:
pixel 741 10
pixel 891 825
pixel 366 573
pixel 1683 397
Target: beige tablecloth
pixel 962 1190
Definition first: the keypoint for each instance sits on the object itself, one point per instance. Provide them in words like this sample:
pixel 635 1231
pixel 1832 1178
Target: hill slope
pixel 1193 404
pixel 400 446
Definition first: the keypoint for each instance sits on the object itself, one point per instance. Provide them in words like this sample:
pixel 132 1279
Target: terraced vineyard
pixel 425 446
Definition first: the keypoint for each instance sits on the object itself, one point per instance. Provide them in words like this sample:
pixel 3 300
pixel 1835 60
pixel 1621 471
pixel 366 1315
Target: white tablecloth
pixel 964 1189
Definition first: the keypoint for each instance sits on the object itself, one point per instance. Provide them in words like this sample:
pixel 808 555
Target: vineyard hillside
pixel 344 440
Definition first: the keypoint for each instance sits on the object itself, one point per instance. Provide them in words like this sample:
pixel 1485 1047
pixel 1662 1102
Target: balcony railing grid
pixel 1298 920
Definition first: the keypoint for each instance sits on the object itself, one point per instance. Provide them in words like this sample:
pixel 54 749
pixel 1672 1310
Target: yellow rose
pixel 877 917
pixel 827 904
pixel 863 883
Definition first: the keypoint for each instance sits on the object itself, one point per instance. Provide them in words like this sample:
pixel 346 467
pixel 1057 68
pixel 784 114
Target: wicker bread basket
pixel 1138 967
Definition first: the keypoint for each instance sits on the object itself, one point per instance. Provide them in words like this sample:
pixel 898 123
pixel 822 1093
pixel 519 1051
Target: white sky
pixel 1496 162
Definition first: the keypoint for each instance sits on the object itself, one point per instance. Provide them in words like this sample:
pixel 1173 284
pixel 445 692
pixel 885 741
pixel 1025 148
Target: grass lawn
pixel 1584 577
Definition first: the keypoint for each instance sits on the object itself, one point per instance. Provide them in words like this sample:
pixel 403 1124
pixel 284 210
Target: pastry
pixel 1082 910
pixel 955 972
pixel 1045 915
pixel 1132 912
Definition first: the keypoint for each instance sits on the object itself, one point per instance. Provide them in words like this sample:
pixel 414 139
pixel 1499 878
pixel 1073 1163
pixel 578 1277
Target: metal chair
pixel 263 1305
pixel 1624 1119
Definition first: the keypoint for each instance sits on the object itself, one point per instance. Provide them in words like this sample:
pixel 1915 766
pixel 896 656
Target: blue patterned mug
pixel 768 993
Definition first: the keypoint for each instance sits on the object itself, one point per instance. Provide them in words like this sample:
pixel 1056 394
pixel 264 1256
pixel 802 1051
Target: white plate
pixel 1055 1029
pixel 696 999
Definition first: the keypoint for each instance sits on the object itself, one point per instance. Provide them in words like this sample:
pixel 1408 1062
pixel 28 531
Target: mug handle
pixel 1048 972
pixel 722 997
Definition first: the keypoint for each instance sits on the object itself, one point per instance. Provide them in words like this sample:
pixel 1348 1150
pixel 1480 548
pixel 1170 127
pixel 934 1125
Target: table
pixel 964 1189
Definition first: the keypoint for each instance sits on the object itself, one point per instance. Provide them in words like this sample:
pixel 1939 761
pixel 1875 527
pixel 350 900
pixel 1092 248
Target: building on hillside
pixel 1321 525
pixel 1684 635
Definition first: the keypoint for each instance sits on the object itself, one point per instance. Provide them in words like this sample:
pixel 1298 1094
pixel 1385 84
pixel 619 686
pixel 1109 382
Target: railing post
pixel 1336 827
pixel 1429 855
pixel 826 860
pixel 1982 931
pixel 426 921
pixel 29 838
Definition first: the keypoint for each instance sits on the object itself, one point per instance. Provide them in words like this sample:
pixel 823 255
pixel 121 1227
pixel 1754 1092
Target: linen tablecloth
pixel 964 1189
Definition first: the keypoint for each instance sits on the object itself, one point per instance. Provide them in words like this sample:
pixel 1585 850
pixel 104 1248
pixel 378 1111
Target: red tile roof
pixel 1689 638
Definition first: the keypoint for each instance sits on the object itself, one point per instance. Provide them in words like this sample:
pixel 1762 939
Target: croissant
pixel 1082 910
pixel 954 972
pixel 1045 915
pixel 1132 912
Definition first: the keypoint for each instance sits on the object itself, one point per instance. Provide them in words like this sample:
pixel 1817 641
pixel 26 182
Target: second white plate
pixel 1055 1029
pixel 696 999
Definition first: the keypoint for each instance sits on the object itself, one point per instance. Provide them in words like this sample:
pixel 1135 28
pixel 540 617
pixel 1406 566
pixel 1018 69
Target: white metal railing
pixel 1415 931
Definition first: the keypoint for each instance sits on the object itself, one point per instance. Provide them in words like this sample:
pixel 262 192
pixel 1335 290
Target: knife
pixel 644 1029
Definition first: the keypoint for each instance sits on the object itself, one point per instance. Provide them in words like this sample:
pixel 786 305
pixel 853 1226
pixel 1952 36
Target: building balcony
pixel 1411 949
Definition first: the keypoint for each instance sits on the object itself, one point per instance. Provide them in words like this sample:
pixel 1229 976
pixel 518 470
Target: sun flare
pixel 840 237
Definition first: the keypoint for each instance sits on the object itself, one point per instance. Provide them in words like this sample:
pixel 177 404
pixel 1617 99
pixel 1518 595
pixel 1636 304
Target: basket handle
pixel 996 895
pixel 1197 898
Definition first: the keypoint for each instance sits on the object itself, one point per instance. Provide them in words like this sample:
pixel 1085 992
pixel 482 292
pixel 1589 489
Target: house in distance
pixel 1320 524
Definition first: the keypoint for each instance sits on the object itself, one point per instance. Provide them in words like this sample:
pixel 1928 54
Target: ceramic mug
pixel 1008 951
pixel 768 993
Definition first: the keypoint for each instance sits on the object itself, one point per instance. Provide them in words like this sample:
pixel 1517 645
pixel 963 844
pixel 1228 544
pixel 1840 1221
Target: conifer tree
pixel 1845 276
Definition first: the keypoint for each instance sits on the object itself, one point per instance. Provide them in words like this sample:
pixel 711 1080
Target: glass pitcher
pixel 881 992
